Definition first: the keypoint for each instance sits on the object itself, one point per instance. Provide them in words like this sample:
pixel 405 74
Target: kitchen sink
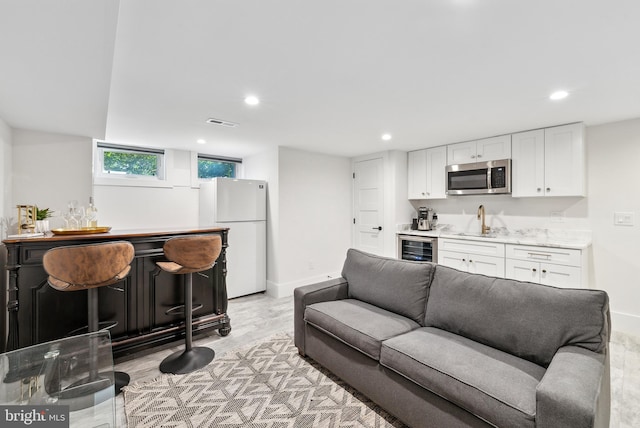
pixel 476 235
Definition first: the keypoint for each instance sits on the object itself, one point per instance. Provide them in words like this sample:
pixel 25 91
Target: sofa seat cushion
pixel 358 324
pixel 495 386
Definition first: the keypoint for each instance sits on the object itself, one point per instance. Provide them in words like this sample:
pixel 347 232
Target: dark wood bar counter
pixel 145 305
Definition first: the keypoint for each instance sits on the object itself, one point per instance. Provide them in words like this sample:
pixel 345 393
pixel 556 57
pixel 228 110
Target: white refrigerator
pixel 240 205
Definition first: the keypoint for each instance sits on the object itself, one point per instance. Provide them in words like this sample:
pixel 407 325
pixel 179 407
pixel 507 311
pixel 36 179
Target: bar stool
pixel 88 267
pixel 187 255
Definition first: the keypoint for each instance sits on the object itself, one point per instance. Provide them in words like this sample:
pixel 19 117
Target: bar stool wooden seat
pixel 88 267
pixel 187 255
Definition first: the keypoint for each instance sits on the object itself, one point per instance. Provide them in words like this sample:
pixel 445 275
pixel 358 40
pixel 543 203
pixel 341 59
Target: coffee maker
pixel 425 218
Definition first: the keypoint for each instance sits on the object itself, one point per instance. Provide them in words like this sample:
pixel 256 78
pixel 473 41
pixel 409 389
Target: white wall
pixel 613 159
pixel 6 210
pixel 315 214
pixel 613 164
pixel 309 196
pixel 264 166
pixel 131 207
pixel 49 170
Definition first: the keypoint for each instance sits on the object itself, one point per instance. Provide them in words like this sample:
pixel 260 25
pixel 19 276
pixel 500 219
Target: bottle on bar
pixel 92 214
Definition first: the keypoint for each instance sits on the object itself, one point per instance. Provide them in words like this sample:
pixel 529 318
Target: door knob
pixel 377 228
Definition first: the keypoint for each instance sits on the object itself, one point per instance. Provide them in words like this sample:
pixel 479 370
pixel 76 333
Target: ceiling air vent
pixel 221 122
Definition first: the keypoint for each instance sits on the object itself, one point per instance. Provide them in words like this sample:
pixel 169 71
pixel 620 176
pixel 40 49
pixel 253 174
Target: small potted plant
pixel 42 222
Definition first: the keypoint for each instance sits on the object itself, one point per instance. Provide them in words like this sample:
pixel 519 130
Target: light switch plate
pixel 623 219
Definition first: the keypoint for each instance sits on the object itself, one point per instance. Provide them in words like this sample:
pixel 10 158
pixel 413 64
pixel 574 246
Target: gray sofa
pixel 437 347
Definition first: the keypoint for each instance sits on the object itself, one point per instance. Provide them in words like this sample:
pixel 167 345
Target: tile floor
pixel 259 316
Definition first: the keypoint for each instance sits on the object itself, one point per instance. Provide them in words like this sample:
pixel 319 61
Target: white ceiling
pixel 332 75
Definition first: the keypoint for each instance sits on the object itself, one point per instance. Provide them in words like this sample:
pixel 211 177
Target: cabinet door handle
pixel 479 156
pixel 539 189
pixel 473 156
pixel 377 228
pixel 544 271
pixel 470 261
pixel 534 269
pixel 464 260
pixel 548 189
pixel 539 256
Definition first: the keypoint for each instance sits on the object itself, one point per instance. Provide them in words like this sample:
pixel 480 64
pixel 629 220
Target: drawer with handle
pixel 564 256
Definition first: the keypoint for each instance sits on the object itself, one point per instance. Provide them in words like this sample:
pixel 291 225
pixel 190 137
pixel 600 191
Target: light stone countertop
pixel 578 240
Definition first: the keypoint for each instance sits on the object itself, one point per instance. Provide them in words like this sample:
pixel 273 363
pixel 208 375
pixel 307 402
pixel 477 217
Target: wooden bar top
pixel 118 234
pixel 140 308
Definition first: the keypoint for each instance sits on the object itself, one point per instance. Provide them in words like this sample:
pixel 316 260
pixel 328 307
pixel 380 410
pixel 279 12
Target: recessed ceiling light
pixel 558 95
pixel 201 141
pixel 252 100
pixel 386 137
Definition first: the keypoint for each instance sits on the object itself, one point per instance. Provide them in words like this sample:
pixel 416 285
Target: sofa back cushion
pixel 529 320
pixel 398 286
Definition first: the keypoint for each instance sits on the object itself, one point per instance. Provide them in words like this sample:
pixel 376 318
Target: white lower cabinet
pixel 559 267
pixel 486 258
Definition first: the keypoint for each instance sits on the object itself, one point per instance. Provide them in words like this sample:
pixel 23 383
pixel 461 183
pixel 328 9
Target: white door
pixel 368 204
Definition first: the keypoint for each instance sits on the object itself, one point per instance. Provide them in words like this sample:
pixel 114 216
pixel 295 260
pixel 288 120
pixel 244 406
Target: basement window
pixel 216 166
pixel 129 162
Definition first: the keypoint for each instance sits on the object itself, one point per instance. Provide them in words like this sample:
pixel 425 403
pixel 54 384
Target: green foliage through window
pixel 210 168
pixel 123 162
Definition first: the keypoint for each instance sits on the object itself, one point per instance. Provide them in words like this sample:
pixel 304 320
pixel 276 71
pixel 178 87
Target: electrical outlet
pixel 557 216
pixel 623 219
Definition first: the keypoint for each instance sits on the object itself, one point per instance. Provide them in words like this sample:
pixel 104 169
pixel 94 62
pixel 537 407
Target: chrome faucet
pixel 485 228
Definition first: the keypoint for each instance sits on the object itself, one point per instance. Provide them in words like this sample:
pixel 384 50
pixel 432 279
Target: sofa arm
pixel 333 289
pixel 575 390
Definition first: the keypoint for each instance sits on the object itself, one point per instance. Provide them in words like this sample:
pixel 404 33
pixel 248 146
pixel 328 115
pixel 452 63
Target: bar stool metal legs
pixel 191 358
pixel 186 255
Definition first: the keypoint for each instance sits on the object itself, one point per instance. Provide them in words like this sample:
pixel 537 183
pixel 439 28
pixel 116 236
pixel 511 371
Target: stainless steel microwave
pixel 492 177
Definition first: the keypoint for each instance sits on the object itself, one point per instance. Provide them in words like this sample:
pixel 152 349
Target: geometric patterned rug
pixel 264 385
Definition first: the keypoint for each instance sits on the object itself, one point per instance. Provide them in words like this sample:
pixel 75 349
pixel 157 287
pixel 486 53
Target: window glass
pixel 125 161
pixel 211 167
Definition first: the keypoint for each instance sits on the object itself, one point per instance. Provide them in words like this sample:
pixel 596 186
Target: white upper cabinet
pixel 493 148
pixel 564 152
pixel 461 153
pixel 549 162
pixel 417 174
pixel 527 164
pixel 436 176
pixel 426 177
pixel 487 149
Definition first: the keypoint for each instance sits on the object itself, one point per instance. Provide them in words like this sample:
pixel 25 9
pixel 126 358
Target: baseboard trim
pixel 284 289
pixel 626 323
